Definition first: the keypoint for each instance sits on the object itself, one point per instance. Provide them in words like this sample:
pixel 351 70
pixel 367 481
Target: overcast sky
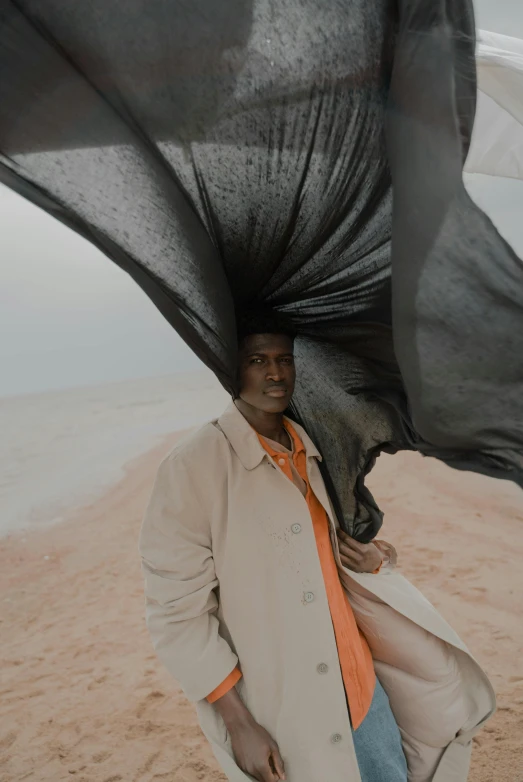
pixel 69 317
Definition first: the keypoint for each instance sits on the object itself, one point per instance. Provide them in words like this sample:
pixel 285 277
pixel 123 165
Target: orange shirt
pixel 356 663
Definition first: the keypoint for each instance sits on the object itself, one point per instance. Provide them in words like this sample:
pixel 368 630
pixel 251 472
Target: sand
pixel 83 697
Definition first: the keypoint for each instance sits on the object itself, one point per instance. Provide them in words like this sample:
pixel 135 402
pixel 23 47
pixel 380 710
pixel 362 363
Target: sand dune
pixel 83 696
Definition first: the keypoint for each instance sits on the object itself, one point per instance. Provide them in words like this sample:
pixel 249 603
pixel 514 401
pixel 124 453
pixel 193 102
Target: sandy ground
pixel 82 696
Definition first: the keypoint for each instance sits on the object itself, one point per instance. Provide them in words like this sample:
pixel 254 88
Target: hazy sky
pixel 70 317
pixel 500 16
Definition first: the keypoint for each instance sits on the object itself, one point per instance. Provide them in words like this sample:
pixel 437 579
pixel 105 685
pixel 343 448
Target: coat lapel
pixel 242 437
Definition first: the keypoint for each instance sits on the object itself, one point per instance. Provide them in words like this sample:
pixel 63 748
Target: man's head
pixel 266 373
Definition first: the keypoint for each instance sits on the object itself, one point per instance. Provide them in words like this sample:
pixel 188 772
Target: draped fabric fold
pixel 497 142
pixel 243 152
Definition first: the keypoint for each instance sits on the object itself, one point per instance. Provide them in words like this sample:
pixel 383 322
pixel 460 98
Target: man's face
pixel 266 371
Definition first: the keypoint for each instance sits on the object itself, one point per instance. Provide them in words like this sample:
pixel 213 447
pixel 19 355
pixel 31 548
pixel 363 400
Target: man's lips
pixel 276 392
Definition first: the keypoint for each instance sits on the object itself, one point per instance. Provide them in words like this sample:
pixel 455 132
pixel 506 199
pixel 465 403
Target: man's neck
pixel 269 425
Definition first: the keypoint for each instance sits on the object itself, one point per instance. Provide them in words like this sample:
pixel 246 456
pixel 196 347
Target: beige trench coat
pixel 228 553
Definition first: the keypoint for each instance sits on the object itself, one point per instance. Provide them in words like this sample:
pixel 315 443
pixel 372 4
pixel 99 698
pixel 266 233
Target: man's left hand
pixel 359 557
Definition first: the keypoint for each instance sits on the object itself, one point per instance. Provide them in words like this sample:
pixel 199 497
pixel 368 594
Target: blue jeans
pixel 378 743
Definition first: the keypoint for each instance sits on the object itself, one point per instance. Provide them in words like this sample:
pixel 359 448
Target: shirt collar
pixel 246 444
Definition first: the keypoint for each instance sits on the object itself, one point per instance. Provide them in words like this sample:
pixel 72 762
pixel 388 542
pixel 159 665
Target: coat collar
pixel 245 442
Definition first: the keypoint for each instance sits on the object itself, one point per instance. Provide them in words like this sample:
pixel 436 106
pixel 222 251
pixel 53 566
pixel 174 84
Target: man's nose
pixel 274 371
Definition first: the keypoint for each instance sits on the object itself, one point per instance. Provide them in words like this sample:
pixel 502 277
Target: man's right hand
pixel 255 752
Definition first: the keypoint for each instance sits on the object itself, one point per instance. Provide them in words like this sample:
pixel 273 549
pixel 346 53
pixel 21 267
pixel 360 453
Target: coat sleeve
pixel 180 581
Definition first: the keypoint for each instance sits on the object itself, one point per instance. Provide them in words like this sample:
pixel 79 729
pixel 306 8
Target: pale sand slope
pixel 83 697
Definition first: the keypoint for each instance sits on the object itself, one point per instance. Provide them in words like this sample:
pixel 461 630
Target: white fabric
pixel 497 140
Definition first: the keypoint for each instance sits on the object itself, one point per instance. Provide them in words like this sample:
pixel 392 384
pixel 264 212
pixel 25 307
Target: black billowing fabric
pixel 245 151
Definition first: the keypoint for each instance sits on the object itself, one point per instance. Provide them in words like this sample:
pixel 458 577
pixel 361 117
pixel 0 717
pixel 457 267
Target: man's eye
pixel 256 361
pixel 287 361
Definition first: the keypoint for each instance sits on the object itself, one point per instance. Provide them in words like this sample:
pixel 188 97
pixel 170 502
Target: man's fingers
pixel 350 553
pixel 349 557
pixel 355 545
pixel 361 563
pixel 272 769
pixel 348 563
pixel 351 560
pixel 278 762
pixel 266 774
pixel 262 774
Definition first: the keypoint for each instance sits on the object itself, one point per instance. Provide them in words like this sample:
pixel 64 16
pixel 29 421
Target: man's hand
pixel 360 557
pixel 255 752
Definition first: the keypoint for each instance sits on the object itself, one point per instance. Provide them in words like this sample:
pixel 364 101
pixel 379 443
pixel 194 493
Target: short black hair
pixel 262 320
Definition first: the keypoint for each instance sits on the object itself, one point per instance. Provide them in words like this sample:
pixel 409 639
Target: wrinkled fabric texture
pixel 242 152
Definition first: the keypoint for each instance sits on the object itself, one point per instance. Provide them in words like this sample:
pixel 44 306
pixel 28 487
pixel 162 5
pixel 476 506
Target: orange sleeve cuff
pixel 225 686
pixel 375 572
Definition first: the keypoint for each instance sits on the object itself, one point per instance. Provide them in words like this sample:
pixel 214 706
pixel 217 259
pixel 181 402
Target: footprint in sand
pixel 194 771
pixel 146 702
pixel 101 757
pixel 99 680
pixel 145 728
pixel 8 740
pixel 147 766
pixel 469 572
pixel 472 594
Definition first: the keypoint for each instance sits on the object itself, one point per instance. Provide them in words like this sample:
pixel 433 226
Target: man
pixel 273 620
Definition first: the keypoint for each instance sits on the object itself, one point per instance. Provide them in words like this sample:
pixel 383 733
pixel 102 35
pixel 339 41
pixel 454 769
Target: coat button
pixel 308 597
pixel 336 738
pixel 322 668
pixel 281 462
pixel 296 528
